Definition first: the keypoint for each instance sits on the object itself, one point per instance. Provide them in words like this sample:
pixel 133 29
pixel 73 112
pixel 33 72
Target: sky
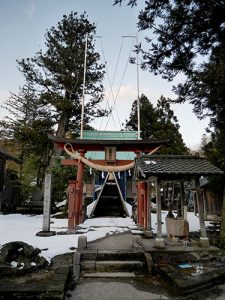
pixel 23 24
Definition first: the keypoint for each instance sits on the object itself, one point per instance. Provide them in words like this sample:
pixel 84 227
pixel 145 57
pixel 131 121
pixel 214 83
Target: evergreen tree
pixel 189 38
pixel 57 73
pixel 27 126
pixel 148 118
pixel 157 123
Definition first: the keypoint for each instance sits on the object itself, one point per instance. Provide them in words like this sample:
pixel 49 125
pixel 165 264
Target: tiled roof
pixel 168 166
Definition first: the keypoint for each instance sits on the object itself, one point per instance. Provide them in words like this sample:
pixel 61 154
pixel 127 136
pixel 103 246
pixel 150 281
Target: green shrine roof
pixel 109 135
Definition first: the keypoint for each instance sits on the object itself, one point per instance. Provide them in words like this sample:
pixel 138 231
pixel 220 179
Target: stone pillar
pixel 47 208
pixel 204 241
pixel 159 243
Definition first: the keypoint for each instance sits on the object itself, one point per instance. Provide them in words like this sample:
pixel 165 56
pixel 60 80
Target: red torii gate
pixel 75 187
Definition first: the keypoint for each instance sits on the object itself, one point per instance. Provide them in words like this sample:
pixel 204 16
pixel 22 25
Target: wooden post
pixel 79 190
pixel 159 240
pixel 148 231
pixel 71 204
pixel 204 241
pixel 140 206
pixel 145 198
pixel 182 198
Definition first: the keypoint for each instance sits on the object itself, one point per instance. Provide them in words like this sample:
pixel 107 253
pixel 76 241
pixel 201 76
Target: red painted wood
pixel 71 204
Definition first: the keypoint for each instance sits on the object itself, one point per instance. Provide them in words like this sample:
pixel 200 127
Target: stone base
pixel 159 243
pixel 137 242
pixel 71 231
pixel 45 233
pixel 204 242
pixel 82 242
pixel 148 233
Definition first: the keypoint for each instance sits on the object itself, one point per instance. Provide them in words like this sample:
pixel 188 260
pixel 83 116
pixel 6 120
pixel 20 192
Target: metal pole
pixel 138 100
pixel 82 101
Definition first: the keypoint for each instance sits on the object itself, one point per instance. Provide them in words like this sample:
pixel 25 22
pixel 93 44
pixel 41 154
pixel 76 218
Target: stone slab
pixel 45 233
pixel 186 284
pixel 109 275
pixel 82 242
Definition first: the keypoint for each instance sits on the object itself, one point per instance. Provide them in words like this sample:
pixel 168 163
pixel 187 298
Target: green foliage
pixel 189 38
pixel 51 97
pixel 27 126
pixel 61 176
pixel 58 72
pixel 158 123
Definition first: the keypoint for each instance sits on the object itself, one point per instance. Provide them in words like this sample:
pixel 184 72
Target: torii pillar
pixel 75 191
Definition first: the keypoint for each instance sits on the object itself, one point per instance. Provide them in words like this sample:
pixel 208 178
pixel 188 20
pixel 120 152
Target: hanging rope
pixel 109 169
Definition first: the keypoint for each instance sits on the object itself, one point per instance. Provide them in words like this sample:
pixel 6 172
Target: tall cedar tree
pixel 27 126
pixel 189 37
pixel 57 73
pixel 158 123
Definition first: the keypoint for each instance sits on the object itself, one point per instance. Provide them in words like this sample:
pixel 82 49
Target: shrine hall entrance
pixel 110 201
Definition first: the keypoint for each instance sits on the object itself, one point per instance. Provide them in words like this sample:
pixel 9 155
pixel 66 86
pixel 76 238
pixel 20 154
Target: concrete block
pixel 159 243
pixel 204 242
pixel 82 242
pixel 149 262
pixel 137 242
pixel 148 233
pixel 76 272
pixel 76 258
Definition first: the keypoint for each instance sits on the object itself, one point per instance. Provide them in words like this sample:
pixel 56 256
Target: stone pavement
pixel 50 283
pixel 109 287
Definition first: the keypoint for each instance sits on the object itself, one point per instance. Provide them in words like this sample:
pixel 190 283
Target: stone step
pixel 112 266
pixel 112 255
pixel 109 275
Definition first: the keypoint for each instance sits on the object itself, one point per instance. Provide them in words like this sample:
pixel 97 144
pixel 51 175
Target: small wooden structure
pixel 155 169
pixel 4 156
pixel 212 201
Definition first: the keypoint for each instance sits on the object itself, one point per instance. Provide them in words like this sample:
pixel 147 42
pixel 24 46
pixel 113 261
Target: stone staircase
pixel 109 203
pixel 117 263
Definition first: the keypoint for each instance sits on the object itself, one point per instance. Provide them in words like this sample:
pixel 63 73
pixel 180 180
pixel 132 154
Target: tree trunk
pixel 62 128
